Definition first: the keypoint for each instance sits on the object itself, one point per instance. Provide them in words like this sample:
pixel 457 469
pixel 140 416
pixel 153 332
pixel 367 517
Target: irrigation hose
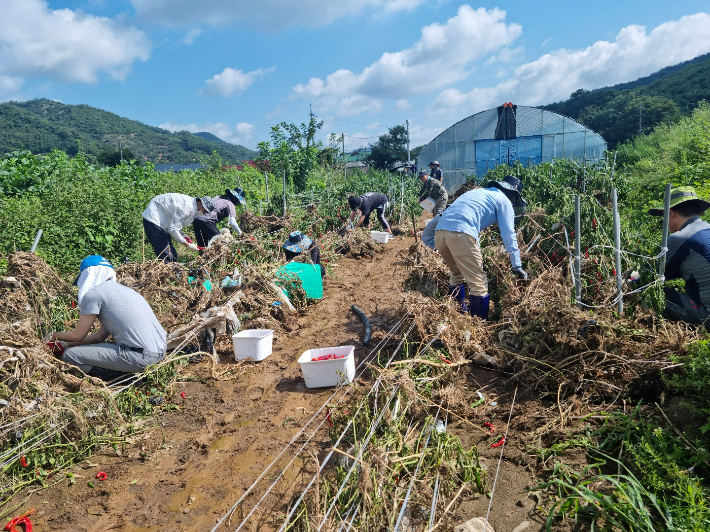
pixel 366 323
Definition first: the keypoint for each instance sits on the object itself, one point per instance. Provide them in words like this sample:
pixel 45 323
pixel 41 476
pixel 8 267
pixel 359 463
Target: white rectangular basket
pixel 324 373
pixel 380 236
pixel 428 204
pixel 256 344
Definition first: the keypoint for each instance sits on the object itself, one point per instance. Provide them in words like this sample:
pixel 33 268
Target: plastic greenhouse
pixel 506 135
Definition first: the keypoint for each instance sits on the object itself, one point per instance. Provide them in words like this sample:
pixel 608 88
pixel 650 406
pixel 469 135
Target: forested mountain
pixel 662 97
pixel 43 125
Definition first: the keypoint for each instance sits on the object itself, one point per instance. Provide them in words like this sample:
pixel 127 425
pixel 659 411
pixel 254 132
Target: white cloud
pixel 65 45
pixel 443 55
pixel 190 36
pixel 231 81
pixel 554 76
pixel 239 134
pixel 374 125
pixel 403 105
pixel 276 112
pixel 265 14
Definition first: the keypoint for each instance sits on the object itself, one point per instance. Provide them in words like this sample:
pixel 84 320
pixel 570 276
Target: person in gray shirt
pixel 122 313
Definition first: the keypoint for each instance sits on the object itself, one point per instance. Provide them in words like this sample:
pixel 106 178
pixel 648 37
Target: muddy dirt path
pixel 192 465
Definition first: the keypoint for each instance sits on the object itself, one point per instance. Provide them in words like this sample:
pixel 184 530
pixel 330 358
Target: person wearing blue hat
pixel 297 243
pixel 457 236
pixel 122 313
pixel 164 218
pixel 205 226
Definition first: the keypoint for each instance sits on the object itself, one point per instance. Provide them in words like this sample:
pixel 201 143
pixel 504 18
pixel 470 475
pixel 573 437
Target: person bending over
pixel 457 239
pixel 366 204
pixel 205 226
pixel 164 218
pixel 688 257
pixel 431 188
pixel 122 314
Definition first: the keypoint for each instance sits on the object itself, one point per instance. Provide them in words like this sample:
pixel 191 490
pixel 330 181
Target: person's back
pixel 126 315
pixel 689 259
pixel 170 211
pixel 474 211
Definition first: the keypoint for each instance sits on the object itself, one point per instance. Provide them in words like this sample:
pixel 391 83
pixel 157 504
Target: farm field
pixel 558 414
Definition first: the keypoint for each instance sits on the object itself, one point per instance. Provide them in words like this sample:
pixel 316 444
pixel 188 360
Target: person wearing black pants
pixel 224 207
pixel 366 204
pixel 297 243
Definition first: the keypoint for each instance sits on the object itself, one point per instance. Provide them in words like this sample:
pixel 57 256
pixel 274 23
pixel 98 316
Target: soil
pixel 190 466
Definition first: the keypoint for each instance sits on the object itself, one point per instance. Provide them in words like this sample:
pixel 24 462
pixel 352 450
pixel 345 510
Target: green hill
pixel 43 125
pixel 663 97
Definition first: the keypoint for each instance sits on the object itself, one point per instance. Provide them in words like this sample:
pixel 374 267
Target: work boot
pixel 458 292
pixel 478 305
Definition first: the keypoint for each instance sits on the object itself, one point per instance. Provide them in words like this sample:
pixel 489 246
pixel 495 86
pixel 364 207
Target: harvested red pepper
pixel 499 442
pixel 183 395
pixel 489 426
pixel 23 519
pixel 101 476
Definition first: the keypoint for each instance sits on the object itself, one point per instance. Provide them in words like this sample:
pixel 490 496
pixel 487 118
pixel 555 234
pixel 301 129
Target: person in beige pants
pixel 457 237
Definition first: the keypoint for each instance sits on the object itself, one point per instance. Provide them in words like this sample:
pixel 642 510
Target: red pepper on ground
pixel 101 476
pixel 183 395
pixel 489 426
pixel 328 419
pixel 499 443
pixel 23 519
pixel 23 461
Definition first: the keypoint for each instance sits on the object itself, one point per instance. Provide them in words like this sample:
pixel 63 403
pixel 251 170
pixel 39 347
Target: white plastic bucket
pixel 428 204
pixel 380 236
pixel 324 373
pixel 256 344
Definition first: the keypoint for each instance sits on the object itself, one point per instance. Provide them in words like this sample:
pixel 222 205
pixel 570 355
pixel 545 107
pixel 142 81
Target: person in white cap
pixel 164 218
pixel 122 313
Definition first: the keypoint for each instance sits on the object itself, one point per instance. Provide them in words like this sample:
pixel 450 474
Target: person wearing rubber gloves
pixel 123 314
pixel 164 218
pixel 688 257
pixel 368 202
pixel 457 236
pixel 432 188
pixel 205 226
pixel 297 243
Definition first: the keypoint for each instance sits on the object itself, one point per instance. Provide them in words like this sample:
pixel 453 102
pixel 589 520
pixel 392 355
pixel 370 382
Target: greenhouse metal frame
pixel 509 134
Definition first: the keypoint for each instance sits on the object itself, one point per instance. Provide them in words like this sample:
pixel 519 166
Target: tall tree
pixel 390 148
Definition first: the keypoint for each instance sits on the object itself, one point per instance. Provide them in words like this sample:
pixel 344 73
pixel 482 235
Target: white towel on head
pixel 92 277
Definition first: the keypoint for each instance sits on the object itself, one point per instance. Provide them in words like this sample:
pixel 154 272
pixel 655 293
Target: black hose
pixel 366 323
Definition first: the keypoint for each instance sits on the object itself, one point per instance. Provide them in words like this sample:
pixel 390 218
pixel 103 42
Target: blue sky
pixel 236 68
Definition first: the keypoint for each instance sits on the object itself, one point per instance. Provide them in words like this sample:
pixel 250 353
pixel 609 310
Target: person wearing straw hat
pixel 431 188
pixel 122 313
pixel 164 218
pixel 435 171
pixel 366 204
pixel 688 257
pixel 205 226
pixel 457 237
pixel 297 243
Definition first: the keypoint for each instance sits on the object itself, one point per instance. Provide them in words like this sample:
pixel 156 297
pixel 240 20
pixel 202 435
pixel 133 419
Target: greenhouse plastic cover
pixel 506 135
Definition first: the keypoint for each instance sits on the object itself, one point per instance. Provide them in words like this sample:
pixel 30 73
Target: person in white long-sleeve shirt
pixel 164 218
pixel 224 207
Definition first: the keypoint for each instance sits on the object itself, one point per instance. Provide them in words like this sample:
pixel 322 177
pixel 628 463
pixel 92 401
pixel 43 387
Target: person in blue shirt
pixel 688 257
pixel 457 236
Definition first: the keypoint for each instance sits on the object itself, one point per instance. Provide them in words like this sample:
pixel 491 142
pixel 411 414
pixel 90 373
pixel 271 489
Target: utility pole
pixel 640 109
pixel 409 160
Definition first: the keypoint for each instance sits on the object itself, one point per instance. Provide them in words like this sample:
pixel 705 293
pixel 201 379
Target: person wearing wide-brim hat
pixel 688 256
pixel 164 218
pixel 297 243
pixel 205 226
pixel 457 235
pixel 122 313
pixel 435 171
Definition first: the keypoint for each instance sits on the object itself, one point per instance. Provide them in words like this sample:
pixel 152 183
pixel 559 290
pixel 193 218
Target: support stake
pixel 664 238
pixel 577 249
pixel 617 248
